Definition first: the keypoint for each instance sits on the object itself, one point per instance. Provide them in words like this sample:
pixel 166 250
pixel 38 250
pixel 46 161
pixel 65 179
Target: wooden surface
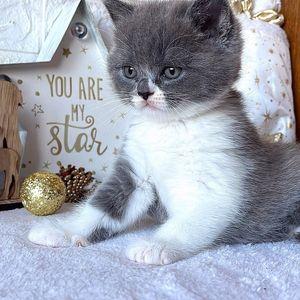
pixel 291 11
pixel 10 143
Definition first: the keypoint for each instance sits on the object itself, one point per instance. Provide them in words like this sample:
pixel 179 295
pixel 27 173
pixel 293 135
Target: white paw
pixel 79 241
pixel 152 253
pixel 53 236
pixel 50 236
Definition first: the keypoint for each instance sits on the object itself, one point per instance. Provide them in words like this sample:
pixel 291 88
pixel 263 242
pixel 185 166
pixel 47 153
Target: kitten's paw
pixel 79 241
pixel 50 236
pixel 152 253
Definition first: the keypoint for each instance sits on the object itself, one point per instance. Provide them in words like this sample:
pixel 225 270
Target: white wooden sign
pixel 70 111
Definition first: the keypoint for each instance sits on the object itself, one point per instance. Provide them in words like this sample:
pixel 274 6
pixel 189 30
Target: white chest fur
pixel 192 169
pixel 182 148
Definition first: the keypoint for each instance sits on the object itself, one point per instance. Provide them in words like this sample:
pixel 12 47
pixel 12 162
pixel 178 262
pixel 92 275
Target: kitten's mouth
pixel 151 107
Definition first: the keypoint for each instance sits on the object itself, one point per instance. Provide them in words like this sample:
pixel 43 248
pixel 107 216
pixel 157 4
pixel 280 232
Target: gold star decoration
pixel 90 67
pixel 39 77
pixel 271 51
pixel 267 116
pixel 37 126
pixel 123 115
pixel 66 52
pixel 37 109
pixel 278 137
pixel 90 160
pixel 257 80
pixel 37 93
pixel 84 50
pixel 46 165
pixel 116 151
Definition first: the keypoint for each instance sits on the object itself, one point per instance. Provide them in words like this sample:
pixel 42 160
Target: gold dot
pixel 37 93
pixel 271 51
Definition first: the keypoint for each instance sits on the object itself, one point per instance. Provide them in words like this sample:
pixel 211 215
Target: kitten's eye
pixel 172 72
pixel 129 72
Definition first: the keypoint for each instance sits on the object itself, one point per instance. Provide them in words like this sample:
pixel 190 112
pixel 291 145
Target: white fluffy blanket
pixel 268 271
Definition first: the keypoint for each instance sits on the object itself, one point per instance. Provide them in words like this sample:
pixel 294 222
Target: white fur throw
pixel 267 271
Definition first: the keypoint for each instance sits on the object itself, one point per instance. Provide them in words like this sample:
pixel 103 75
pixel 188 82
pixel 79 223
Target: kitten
pixel 191 155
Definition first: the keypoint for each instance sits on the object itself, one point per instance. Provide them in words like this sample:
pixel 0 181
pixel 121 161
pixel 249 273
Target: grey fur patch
pixel 270 205
pixel 157 211
pixel 113 195
pixel 118 9
pixel 99 235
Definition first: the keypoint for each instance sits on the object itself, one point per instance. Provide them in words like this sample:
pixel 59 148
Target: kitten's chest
pixel 161 148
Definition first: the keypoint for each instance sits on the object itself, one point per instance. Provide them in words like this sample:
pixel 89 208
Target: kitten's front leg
pixel 169 244
pixel 197 216
pixel 117 204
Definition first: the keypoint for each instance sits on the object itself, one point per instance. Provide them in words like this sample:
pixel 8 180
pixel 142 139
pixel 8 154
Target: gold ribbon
pixel 246 7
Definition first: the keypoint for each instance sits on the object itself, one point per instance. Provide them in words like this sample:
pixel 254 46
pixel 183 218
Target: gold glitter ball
pixel 43 193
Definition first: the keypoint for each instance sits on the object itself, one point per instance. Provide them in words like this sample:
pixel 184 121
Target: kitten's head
pixel 174 58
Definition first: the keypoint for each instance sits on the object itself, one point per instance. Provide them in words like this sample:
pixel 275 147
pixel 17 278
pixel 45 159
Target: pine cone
pixel 76 180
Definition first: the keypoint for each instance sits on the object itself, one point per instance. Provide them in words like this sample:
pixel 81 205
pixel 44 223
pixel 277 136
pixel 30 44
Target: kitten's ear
pixel 118 9
pixel 212 17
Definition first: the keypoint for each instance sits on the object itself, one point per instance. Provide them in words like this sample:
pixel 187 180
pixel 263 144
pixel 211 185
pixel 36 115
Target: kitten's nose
pixel 145 95
pixel 144 89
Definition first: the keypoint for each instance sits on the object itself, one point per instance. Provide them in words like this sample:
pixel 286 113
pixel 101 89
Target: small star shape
pixel 267 116
pixel 37 126
pixel 123 115
pixel 90 160
pixel 39 77
pixel 271 51
pixel 257 80
pixel 46 165
pixel 104 168
pixel 116 151
pixel 84 50
pixel 37 109
pixel 66 52
pixel 90 67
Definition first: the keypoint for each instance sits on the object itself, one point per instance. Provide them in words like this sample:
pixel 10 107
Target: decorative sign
pixel 70 112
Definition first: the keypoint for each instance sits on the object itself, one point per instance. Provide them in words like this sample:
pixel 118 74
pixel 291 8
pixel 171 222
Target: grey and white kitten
pixel 191 157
